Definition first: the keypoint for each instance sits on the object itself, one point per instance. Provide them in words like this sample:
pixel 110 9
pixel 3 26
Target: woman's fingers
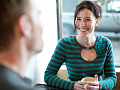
pixel 80 85
pixel 96 78
pixel 92 87
pixel 93 83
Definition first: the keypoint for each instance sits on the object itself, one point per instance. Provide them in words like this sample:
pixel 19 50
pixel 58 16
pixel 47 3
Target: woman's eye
pixel 78 19
pixel 87 19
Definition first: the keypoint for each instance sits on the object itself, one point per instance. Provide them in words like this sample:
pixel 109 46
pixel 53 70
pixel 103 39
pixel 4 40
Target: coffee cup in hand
pixel 90 79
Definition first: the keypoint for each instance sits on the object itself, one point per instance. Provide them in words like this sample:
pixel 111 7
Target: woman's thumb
pixel 96 78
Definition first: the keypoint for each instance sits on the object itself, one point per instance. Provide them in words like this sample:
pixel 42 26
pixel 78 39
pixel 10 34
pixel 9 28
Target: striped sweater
pixel 68 51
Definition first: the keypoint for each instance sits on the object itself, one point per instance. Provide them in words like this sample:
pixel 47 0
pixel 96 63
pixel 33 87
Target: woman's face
pixel 86 23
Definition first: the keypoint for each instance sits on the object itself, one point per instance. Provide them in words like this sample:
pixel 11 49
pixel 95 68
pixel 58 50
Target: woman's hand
pixel 79 85
pixel 93 85
pixel 82 85
pixel 86 85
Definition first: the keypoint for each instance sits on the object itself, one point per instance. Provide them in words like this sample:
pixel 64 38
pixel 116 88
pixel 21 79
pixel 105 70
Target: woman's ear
pixel 97 20
pixel 25 25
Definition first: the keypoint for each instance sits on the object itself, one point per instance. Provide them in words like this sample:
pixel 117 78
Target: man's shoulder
pixel 10 80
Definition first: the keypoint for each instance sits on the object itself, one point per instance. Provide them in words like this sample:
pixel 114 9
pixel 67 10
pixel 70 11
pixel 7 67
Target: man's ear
pixel 25 25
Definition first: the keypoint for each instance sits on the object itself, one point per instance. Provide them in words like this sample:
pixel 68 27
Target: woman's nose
pixel 82 23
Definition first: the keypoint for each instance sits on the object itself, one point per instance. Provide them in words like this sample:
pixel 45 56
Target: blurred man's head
pixel 20 18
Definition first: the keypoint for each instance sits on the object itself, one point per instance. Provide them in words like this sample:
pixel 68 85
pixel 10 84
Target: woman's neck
pixel 86 41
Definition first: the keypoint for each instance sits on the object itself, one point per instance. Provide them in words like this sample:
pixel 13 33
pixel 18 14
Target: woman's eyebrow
pixel 85 17
pixel 78 17
pixel 88 17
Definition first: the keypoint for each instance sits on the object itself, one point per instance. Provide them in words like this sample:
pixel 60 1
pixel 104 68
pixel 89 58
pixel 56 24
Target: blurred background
pixel 57 17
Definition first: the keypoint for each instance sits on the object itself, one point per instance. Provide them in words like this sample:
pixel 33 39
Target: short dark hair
pixel 92 6
pixel 10 11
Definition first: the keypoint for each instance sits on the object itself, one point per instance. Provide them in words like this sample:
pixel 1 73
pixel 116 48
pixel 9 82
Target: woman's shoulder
pixel 102 44
pixel 101 38
pixel 68 38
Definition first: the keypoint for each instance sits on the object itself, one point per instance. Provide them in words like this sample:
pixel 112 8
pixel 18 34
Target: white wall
pixel 40 61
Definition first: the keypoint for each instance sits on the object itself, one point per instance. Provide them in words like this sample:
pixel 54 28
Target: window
pixel 109 24
pixel 113 6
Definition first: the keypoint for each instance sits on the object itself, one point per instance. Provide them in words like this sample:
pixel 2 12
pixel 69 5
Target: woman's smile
pixel 83 29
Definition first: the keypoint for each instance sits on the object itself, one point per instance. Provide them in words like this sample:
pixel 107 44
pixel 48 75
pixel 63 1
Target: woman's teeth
pixel 83 29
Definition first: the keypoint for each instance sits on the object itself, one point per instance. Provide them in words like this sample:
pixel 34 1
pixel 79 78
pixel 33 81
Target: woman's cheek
pixel 77 25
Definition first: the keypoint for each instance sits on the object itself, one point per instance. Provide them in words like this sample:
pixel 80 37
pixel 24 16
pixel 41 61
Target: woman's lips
pixel 83 29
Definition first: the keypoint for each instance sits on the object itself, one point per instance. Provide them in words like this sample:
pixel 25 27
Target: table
pixel 46 87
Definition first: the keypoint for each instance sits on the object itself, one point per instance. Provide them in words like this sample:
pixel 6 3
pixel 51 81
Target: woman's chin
pixel 83 36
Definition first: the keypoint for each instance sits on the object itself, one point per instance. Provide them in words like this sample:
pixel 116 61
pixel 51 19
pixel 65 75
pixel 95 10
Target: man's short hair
pixel 10 11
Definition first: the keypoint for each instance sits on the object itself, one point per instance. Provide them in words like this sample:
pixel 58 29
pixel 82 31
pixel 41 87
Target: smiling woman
pixel 83 53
